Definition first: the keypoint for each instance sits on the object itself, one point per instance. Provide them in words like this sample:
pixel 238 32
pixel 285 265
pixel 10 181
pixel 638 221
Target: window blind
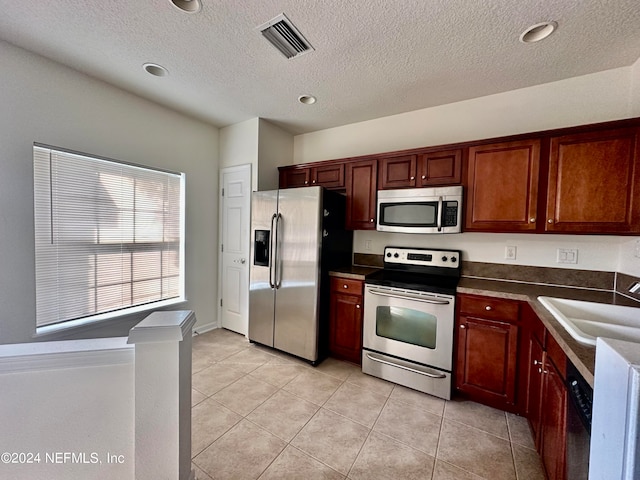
pixel 108 235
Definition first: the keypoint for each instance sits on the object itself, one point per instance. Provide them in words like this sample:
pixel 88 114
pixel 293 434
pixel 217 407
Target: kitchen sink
pixel 585 321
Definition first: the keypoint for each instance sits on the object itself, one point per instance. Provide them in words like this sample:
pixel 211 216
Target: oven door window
pixel 406 325
pixel 409 214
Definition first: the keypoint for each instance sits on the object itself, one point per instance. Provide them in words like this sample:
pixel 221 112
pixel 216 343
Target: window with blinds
pixel 109 237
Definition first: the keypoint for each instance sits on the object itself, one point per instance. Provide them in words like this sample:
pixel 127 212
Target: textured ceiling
pixel 372 58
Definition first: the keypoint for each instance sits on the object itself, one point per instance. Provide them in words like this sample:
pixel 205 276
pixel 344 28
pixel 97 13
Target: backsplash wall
pixel 595 252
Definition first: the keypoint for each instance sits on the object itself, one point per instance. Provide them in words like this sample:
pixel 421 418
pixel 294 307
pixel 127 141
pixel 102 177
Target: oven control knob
pixel 444 259
pixel 396 255
pixel 454 259
pixel 388 254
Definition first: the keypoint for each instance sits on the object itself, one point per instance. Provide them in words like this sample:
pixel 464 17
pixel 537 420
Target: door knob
pixel 242 261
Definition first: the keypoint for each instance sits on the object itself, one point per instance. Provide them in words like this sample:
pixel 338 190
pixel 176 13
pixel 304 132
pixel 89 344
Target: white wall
pixel 260 143
pixel 275 148
pixel 581 100
pixel 634 91
pixel 531 249
pixel 599 97
pixel 239 145
pixel 70 400
pixel 45 102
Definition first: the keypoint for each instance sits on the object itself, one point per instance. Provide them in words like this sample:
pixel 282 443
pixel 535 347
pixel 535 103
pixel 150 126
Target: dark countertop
pixel 354 272
pixel 582 356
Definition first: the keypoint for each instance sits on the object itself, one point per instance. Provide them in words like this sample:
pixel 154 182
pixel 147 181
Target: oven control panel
pixel 422 257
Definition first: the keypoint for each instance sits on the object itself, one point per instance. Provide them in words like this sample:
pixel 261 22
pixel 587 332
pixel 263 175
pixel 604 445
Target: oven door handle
pixel 439 214
pixel 375 358
pixel 407 296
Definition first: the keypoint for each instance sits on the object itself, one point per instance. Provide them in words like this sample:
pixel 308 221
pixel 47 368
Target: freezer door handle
pixel 272 281
pixel 278 262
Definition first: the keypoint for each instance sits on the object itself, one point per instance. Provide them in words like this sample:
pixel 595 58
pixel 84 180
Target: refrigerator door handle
pixel 278 262
pixel 272 281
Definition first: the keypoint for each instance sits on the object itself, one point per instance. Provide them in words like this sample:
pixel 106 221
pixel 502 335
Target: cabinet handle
pixel 412 178
pixel 537 362
pixel 357 306
pixel 463 326
pixel 550 220
pixel 345 286
pixel 424 177
pixel 313 181
pixel 372 220
pixel 306 182
pixel 488 308
pixel 532 220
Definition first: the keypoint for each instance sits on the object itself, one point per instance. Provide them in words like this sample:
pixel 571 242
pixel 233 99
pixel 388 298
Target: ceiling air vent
pixel 283 35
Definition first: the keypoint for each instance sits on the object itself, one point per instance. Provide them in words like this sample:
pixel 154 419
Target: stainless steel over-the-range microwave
pixel 420 210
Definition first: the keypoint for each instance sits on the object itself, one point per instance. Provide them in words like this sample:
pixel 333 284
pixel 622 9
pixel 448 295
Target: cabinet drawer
pixel 557 355
pixel 492 308
pixel 346 285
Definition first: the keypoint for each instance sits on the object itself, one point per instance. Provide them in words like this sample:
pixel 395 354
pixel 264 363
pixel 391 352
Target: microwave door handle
pixel 439 222
pixel 409 297
pixel 272 257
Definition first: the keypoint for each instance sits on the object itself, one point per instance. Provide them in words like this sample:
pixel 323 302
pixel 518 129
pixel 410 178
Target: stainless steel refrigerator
pixel 297 237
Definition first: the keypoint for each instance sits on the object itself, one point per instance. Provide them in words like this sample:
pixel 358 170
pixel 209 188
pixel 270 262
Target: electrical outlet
pixel 367 245
pixel 510 252
pixel 567 255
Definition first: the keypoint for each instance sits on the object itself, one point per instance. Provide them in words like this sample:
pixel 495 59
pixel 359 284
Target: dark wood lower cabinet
pixel 345 319
pixel 487 332
pixel 487 355
pixel 553 422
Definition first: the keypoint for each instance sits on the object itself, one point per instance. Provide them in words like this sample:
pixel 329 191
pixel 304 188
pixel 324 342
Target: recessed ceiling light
pixel 155 69
pixel 189 6
pixel 307 99
pixel 538 32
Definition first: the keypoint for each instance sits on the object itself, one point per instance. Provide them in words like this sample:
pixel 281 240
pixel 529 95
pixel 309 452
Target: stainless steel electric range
pixel 409 312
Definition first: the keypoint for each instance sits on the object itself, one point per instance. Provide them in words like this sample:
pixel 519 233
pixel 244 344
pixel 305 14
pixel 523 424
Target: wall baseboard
pixel 207 327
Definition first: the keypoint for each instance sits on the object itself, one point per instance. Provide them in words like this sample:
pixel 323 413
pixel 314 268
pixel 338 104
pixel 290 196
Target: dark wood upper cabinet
pixel 440 168
pixel 292 177
pixel 328 176
pixel 361 186
pixel 594 183
pixel 503 186
pixel 397 172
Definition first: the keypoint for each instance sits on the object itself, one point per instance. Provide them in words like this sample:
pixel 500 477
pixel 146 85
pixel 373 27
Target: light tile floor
pixel 261 414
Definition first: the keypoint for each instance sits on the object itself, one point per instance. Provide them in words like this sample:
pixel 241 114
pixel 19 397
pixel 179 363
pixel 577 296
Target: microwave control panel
pixel 450 214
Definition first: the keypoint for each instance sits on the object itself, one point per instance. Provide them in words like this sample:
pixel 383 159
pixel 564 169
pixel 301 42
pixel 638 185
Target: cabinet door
pixel 486 361
pixel 554 396
pixel 440 168
pixel 398 172
pixel 329 176
pixel 503 187
pixel 534 387
pixel 361 195
pixel 594 185
pixel 294 177
pixel 345 322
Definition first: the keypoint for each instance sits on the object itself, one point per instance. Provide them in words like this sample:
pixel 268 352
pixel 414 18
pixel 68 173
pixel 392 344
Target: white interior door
pixel 235 219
